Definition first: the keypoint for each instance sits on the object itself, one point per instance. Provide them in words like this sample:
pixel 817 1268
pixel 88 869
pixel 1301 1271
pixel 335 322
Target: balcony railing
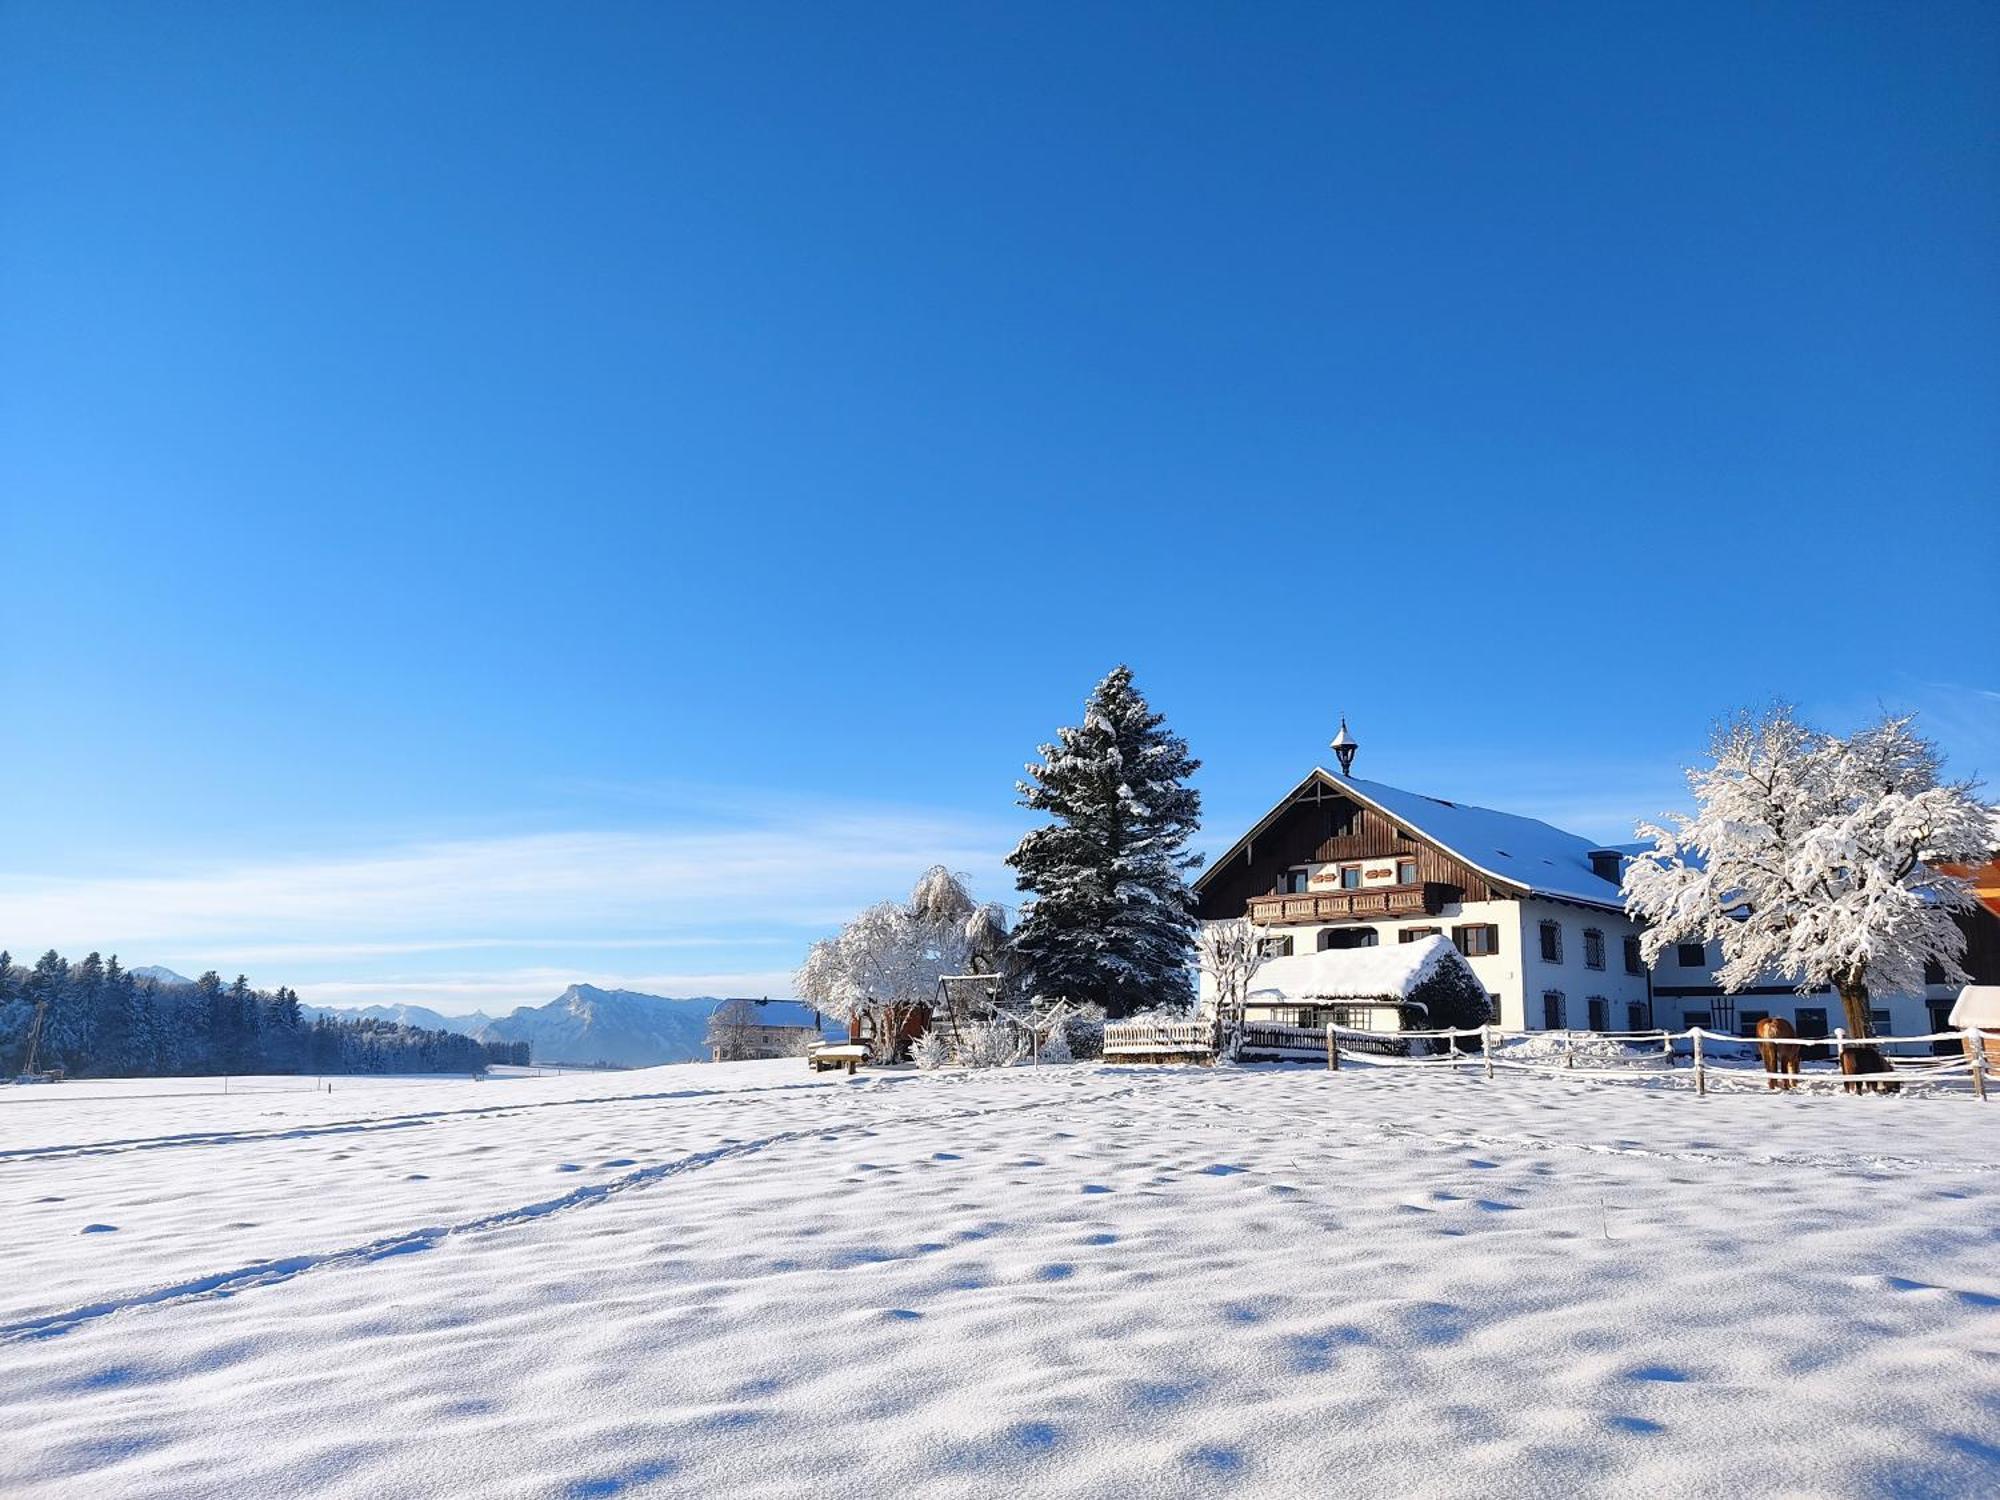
pixel 1424 899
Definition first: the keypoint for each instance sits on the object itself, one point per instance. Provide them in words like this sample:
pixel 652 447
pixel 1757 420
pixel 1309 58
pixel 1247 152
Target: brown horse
pixel 1864 1059
pixel 1777 1044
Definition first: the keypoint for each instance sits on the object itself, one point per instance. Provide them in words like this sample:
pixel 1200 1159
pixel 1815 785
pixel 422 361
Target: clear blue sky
pixel 492 494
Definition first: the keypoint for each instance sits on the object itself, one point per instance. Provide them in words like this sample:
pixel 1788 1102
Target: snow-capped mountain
pixel 162 975
pixel 585 1024
pixel 420 1016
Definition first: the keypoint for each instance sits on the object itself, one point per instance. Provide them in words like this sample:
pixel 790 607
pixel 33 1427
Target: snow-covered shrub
pixel 930 1051
pixel 885 1047
pixel 1083 1031
pixel 1557 1049
pixel 991 1044
pixel 1055 1046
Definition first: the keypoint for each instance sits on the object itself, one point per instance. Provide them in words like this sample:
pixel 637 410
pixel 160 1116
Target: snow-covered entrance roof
pixel 1525 852
pixel 1381 973
pixel 1977 1005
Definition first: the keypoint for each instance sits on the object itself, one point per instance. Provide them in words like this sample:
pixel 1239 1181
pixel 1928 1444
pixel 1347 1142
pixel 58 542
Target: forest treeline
pixel 101 1021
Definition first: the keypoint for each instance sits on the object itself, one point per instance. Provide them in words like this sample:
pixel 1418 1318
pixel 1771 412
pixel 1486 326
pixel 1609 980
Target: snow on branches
pixel 1230 953
pixel 883 967
pixel 1813 858
pixel 1112 918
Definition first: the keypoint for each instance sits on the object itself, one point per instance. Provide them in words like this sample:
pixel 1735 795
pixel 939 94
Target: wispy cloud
pixel 741 896
pixel 498 992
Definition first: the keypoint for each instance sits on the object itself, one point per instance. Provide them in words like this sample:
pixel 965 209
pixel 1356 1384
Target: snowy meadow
pixel 740 1280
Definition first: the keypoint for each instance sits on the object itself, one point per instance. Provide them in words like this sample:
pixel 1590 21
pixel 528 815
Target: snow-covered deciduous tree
pixel 732 1031
pixel 1230 953
pixel 930 1051
pixel 883 967
pixel 1112 919
pixel 1813 858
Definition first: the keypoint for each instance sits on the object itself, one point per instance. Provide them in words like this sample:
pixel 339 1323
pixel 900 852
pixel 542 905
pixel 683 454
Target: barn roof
pixel 1527 854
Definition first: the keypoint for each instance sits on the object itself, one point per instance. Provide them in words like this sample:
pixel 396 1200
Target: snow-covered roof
pixel 1524 852
pixel 1381 973
pixel 1519 851
pixel 771 1013
pixel 1976 1005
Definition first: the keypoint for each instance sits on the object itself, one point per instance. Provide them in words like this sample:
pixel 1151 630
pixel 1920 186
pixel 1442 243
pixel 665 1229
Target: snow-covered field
pixel 739 1280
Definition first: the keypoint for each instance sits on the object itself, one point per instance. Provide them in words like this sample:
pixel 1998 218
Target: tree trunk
pixel 1854 1001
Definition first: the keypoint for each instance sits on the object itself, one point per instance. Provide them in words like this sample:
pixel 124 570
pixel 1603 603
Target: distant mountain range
pixel 420 1016
pixel 161 975
pixel 584 1024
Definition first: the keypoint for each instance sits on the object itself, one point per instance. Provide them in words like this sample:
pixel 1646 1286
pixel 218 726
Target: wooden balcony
pixel 1424 899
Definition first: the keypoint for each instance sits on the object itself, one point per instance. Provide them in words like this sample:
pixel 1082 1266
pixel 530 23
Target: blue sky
pixel 494 495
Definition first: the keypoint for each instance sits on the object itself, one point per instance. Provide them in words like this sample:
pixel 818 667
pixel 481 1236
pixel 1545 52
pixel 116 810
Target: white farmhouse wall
pixel 1909 1015
pixel 1570 975
pixel 1516 975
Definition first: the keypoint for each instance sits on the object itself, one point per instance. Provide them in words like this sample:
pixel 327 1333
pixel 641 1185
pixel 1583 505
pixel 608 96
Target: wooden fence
pixel 1623 1056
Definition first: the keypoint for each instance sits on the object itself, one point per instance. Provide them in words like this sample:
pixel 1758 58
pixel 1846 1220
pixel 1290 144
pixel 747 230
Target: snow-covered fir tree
pixel 1813 858
pixel 1111 922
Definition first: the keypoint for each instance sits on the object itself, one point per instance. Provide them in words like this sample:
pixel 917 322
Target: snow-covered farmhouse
pixel 1342 863
pixel 742 1029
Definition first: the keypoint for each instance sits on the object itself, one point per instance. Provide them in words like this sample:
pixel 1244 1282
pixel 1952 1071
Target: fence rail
pixel 1195 1039
pixel 1558 1052
pixel 1619 1055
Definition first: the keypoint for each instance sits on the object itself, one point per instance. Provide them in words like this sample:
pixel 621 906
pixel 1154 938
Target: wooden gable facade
pixel 1318 825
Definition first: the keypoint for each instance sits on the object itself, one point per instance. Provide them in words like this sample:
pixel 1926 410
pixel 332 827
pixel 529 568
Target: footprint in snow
pixel 1637 1426
pixel 100 1229
pixel 1093 1187
pixel 1666 1374
pixel 567 1166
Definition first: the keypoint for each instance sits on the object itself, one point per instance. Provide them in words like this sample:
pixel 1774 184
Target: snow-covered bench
pixel 824 1055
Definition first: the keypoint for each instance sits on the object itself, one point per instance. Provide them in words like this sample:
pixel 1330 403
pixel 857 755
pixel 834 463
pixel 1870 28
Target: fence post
pixel 1978 1060
pixel 1486 1047
pixel 1569 1050
pixel 1332 1050
pixel 1700 1078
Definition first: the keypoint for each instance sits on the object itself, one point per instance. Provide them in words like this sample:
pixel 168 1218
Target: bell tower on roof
pixel 1344 745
